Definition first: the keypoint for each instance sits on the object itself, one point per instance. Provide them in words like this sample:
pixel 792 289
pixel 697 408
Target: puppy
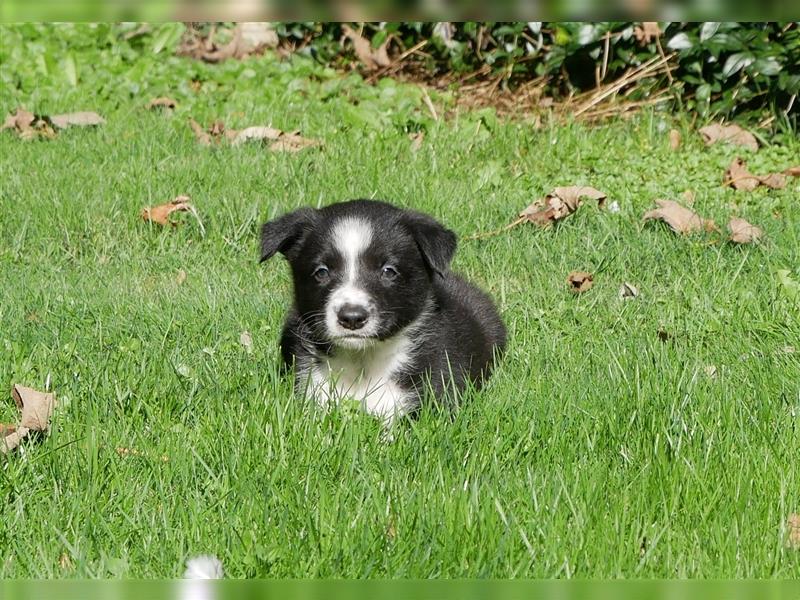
pixel 378 317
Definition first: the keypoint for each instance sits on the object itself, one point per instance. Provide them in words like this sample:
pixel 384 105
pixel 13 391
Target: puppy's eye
pixel 322 274
pixel 389 273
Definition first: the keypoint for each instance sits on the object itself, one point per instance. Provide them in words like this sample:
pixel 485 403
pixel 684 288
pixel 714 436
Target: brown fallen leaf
pixel 160 214
pixel 161 102
pixel 674 139
pixel 416 140
pixel 743 232
pixel 580 281
pixel 29 126
pixel 679 218
pixel 77 119
pixel 256 133
pixel 793 532
pixel 739 178
pixel 202 136
pixel 371 58
pixel 732 134
pixel 36 408
pixel 291 142
pixel 646 32
pixel 560 203
pixel 20 120
pixel 792 171
pixel 628 291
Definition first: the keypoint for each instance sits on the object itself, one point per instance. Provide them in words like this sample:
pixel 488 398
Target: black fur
pixel 457 326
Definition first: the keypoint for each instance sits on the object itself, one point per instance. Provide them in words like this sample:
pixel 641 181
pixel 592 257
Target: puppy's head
pixel 362 270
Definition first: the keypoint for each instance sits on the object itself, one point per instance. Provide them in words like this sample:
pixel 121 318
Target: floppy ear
pixel 436 243
pixel 282 234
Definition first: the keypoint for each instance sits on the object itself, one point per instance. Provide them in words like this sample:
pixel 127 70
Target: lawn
pixel 651 437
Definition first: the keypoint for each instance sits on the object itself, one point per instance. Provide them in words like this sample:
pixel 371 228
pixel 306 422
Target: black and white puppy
pixel 378 317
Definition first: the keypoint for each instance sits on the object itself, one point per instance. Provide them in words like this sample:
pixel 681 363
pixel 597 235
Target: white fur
pixel 351 237
pixel 367 375
pixel 198 570
pixel 205 566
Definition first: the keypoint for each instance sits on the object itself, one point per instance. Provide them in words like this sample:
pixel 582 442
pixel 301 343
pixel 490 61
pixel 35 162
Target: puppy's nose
pixel 352 316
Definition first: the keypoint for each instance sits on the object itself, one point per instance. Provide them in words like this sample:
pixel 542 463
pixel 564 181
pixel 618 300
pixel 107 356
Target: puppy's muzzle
pixel 352 316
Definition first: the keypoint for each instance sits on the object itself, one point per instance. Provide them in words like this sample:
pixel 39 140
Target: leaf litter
pixel 580 281
pixel 680 219
pixel 162 213
pixel 161 102
pixel 743 232
pixel 739 178
pixel 28 125
pixel 555 206
pixel 217 134
pixel 371 58
pixel 35 410
pixel 732 134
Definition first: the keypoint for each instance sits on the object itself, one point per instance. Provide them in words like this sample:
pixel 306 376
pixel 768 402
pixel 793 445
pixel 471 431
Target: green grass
pixel 602 447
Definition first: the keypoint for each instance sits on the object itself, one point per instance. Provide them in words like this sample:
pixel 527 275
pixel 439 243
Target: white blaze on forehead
pixel 351 237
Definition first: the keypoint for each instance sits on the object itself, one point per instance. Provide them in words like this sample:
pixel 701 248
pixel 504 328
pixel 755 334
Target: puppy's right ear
pixel 284 233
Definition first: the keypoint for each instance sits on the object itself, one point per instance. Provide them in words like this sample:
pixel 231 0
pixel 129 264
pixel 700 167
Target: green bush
pixel 719 69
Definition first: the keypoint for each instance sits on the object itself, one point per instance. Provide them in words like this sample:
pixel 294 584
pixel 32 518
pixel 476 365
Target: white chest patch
pixel 367 376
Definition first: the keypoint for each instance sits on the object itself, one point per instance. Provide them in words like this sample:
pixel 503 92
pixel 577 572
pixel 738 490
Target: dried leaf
pixel 77 119
pixel 628 291
pixel 560 203
pixel 246 340
pixel 646 32
pixel 733 134
pixel 739 178
pixel 679 218
pixel 743 232
pixel 256 133
pixel 202 137
pixel 160 214
pixel 580 281
pixel 369 57
pixel 29 126
pixel 20 120
pixel 162 102
pixel 416 140
pixel 674 139
pixel 12 440
pixel 792 171
pixel 36 407
pixel 793 532
pixel 291 142
pixel 180 277
pixel 256 36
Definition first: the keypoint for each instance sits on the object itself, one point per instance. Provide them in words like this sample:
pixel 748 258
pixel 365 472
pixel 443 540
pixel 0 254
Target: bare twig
pixel 487 234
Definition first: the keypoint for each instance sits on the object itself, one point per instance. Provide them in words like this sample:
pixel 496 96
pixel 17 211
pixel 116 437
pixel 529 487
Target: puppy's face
pixel 362 270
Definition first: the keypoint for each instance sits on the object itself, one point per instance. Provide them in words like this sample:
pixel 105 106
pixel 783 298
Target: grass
pixel 604 446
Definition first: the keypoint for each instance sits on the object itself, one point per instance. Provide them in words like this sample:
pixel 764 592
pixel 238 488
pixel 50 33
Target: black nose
pixel 352 316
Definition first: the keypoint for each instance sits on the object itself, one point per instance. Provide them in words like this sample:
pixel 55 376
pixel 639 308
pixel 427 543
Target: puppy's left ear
pixel 436 243
pixel 285 233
